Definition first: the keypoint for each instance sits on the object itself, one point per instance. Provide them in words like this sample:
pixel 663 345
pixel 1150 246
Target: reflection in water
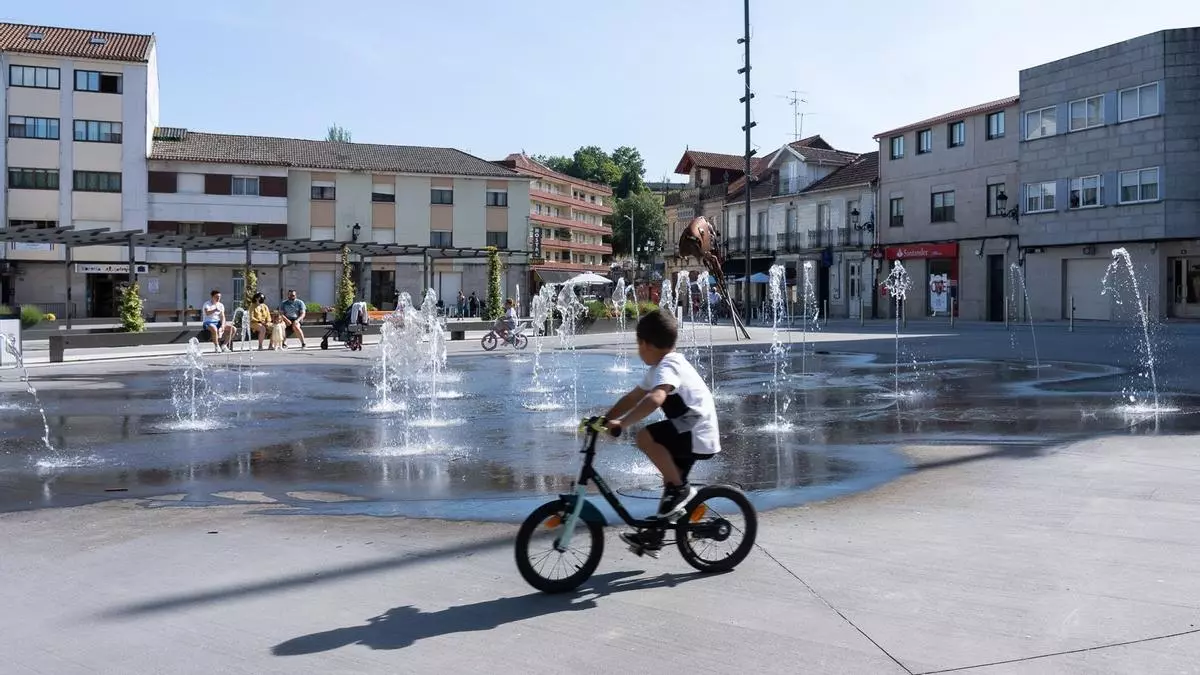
pixel 309 433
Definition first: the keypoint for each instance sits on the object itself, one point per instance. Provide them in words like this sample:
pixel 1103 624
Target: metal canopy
pixel 69 236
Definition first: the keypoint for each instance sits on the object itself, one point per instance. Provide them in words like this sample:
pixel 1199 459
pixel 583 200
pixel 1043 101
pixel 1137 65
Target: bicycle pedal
pixel 640 551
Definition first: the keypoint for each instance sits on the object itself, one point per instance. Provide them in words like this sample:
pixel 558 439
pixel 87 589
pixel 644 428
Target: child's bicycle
pixel 700 529
pixel 516 338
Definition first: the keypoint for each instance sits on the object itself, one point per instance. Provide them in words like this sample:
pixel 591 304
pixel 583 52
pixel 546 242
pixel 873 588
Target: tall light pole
pixel 632 244
pixel 745 70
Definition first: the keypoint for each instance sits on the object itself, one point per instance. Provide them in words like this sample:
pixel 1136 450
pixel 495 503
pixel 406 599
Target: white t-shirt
pixel 358 312
pixel 213 311
pixel 511 314
pixel 689 406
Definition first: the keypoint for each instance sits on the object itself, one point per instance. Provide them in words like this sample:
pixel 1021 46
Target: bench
pixel 174 315
pixel 62 341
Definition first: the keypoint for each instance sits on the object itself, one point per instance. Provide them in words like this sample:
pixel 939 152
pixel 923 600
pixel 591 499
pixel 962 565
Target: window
pixel 239 288
pixel 441 196
pixel 993 191
pixel 497 198
pixel 1138 102
pixel 1039 196
pixel 441 238
pixel 244 230
pixel 193 229
pixel 897 147
pixel 33 179
pixel 97 181
pixel 897 212
pixel 324 192
pixel 995 125
pixel 1139 185
pixel 1085 192
pixel 385 197
pixel 245 185
pixel 760 224
pixel 790 220
pixel 956 134
pixel 97 132
pixel 497 239
pixel 91 80
pixel 941 207
pixel 32 76
pixel 1087 113
pixel 1041 123
pixel 924 141
pixel 33 127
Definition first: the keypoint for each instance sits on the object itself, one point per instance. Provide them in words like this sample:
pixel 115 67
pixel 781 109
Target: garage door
pixel 320 287
pixel 1084 277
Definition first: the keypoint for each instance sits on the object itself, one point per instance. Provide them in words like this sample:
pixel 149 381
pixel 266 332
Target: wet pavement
pixel 493 441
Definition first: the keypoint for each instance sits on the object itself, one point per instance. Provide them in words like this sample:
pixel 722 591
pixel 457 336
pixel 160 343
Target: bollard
pixel 1071 317
pixel 1006 311
pixel 861 316
pixel 825 312
pixel 952 312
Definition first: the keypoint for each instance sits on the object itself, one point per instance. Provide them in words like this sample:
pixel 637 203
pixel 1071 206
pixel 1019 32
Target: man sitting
pixel 292 311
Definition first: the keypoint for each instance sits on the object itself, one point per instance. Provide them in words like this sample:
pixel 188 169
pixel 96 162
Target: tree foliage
pixel 494 308
pixel 130 309
pixel 649 222
pixel 622 171
pixel 250 287
pixel 338 134
pixel 345 287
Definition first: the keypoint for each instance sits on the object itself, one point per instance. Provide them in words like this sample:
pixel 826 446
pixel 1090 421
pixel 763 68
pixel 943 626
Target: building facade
pixel 79 108
pixel 269 187
pixel 1110 158
pixel 943 186
pixel 565 222
pixel 709 176
pixel 799 213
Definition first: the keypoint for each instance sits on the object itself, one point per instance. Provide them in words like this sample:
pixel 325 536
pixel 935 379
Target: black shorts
pixel 678 444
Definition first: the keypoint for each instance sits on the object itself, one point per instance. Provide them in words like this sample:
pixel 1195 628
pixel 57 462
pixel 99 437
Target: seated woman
pixel 260 318
pixel 215 322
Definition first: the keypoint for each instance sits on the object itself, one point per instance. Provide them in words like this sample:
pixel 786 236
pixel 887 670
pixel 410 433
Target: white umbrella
pixel 588 278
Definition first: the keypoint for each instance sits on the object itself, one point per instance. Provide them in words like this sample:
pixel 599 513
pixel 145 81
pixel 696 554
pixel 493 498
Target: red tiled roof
pixel 710 160
pixel 982 108
pixel 522 163
pixel 862 170
pixel 172 143
pixel 75 43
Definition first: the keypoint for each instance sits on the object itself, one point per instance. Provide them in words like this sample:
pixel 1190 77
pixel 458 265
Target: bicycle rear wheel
pixel 520 341
pixel 539 569
pixel 718 515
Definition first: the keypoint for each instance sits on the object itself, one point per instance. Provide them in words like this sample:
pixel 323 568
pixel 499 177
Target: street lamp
pixel 1001 202
pixel 354 232
pixel 869 226
pixel 632 248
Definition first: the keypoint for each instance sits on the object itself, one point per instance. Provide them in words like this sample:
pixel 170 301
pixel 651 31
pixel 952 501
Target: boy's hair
pixel 213 292
pixel 658 329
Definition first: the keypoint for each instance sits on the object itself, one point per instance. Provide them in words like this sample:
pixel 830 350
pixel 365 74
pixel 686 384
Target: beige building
pixel 942 184
pixel 566 222
pixel 79 107
pixel 347 192
pixel 709 177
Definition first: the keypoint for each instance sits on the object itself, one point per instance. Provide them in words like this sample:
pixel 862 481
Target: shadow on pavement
pixel 401 627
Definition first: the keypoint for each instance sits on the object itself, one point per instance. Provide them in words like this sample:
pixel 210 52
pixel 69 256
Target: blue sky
pixel 498 76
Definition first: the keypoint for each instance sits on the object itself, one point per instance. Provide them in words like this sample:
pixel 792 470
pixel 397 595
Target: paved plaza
pixel 986 555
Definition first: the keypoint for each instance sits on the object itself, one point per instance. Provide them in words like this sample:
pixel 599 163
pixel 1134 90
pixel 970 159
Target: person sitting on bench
pixel 215 323
pixel 292 311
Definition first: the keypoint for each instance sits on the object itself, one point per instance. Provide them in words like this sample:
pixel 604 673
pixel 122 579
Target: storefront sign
pixel 27 246
pixel 108 268
pixel 685 213
pixel 909 251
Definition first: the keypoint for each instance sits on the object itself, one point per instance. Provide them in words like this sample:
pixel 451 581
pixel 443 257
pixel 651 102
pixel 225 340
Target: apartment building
pixel 268 187
pixel 1110 157
pixel 566 222
pixel 709 177
pixel 799 213
pixel 947 186
pixel 79 107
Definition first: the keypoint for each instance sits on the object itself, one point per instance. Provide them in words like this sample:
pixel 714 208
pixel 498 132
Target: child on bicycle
pixel 689 433
pixel 506 324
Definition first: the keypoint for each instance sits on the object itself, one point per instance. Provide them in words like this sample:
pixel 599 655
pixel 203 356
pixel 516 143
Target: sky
pixel 492 77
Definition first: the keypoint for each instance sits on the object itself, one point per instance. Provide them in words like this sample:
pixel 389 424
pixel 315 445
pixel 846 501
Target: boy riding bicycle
pixel 689 433
pixel 506 324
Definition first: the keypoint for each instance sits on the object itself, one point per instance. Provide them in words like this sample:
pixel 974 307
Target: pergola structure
pixel 70 238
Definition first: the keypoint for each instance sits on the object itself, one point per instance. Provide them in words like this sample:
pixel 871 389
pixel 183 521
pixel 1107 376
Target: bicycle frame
pixel 578 499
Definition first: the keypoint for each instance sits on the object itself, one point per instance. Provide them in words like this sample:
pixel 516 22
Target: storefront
pixel 1184 279
pixel 933 269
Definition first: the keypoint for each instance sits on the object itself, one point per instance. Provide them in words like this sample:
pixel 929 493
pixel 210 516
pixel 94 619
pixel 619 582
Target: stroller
pixel 348 329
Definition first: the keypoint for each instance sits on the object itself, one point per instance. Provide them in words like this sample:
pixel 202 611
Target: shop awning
pixel 736 266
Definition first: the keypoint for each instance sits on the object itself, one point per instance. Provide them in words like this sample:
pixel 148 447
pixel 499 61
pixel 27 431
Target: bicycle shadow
pixel 401 627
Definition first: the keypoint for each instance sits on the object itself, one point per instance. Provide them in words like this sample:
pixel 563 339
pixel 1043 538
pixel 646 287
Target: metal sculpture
pixel 701 240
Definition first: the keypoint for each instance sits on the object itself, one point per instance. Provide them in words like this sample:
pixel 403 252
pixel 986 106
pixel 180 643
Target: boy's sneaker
pixel 674 501
pixel 641 544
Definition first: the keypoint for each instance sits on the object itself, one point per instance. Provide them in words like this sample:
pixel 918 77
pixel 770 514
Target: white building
pixel 79 108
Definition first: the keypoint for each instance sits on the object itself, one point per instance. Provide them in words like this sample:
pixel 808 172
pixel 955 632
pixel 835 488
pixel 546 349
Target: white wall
pixel 199 208
pixel 412 210
pixel 353 205
pixel 299 191
pixel 151 101
pixel 518 214
pixel 470 212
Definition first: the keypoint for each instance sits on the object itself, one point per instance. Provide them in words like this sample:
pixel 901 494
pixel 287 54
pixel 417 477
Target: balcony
pixel 762 242
pixel 568 200
pixel 790 242
pixel 696 194
pixel 816 239
pixel 569 223
pixel 848 236
pixel 568 245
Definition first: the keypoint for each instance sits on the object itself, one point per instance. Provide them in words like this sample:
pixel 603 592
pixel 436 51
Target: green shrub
pixel 597 309
pixel 130 309
pixel 30 316
pixel 313 308
pixel 494 308
pixel 250 289
pixel 5 310
pixel 345 287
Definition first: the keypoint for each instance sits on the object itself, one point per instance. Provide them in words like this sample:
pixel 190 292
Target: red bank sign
pixel 910 251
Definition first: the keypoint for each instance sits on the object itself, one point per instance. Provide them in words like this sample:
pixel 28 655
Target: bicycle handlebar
pixel 595 425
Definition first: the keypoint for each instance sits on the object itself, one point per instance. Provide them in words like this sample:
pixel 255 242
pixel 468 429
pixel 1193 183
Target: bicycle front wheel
pixel 488 342
pixel 520 341
pixel 718 530
pixel 548 569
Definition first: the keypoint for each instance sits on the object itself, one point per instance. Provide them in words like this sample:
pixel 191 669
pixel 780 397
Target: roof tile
pixel 989 107
pixel 521 163
pixel 75 43
pixel 174 144
pixel 862 170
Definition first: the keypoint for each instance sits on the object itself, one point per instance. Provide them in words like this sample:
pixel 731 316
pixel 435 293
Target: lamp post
pixel 745 100
pixel 1001 202
pixel 632 244
pixel 868 226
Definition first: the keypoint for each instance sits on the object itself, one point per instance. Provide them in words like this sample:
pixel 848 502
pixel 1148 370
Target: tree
pixel 250 287
pixel 338 134
pixel 622 171
pixel 649 221
pixel 555 163
pixel 494 309
pixel 130 309
pixel 345 287
pixel 633 169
